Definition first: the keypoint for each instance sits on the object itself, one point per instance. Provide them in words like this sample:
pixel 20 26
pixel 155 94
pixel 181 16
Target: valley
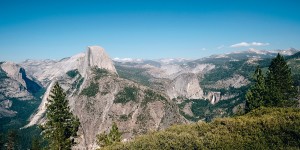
pixel 139 95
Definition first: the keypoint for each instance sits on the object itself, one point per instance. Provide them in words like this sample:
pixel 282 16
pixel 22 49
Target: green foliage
pixel 201 108
pixel 61 126
pixel 112 137
pixel 100 72
pixel 222 71
pixel 26 135
pixel 24 138
pixel 276 90
pixel 35 144
pixel 226 69
pixel 126 95
pixel 124 117
pixel 91 91
pixel 294 56
pixel 1 141
pixel 296 78
pixel 25 109
pixel 73 73
pixel 134 74
pixel 3 74
pixel 12 140
pixel 264 128
pixel 204 110
pixel 151 96
pixel 256 94
pixel 281 91
pixel 77 83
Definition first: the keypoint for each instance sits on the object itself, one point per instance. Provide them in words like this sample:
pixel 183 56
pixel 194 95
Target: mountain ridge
pixel 97 95
pixel 142 95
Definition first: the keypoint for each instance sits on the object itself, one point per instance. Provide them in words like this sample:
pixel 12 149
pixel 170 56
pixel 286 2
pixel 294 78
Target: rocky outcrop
pixel 51 72
pixel 4 109
pixel 185 86
pixel 48 70
pixel 15 84
pixel 95 56
pixel 235 81
pixel 38 117
pixel 214 97
pixel 147 110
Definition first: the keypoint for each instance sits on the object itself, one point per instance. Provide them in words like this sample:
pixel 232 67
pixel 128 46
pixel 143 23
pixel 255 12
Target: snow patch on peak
pixel 173 60
pixel 124 60
pixel 256 51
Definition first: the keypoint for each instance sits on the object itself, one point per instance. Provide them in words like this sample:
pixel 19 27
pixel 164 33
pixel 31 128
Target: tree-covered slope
pixel 263 128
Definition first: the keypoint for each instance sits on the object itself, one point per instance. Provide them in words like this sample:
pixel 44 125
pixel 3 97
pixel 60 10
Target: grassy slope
pixel 265 128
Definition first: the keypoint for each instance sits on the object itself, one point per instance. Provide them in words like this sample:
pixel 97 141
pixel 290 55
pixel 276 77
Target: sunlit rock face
pixel 149 110
pixel 15 84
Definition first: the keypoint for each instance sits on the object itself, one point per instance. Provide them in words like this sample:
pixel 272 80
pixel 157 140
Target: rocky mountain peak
pixel 96 56
pixel 13 71
pixel 46 71
pixel 50 72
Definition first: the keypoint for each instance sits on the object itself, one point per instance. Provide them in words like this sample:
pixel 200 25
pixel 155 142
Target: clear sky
pixel 145 28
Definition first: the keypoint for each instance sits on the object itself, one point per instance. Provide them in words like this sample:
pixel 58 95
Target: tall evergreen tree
pixel 61 126
pixel 11 143
pixel 114 133
pixel 255 96
pixel 280 84
pixel 1 141
pixel 35 144
pixel 108 139
pixel 276 90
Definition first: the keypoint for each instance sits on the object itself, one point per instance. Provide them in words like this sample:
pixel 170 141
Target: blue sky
pixel 145 28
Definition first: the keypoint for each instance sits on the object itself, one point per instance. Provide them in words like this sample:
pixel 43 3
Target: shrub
pixel 72 73
pixel 91 91
pixel 126 95
pixel 123 117
pixel 134 74
pixel 151 96
pixel 99 72
pixel 263 128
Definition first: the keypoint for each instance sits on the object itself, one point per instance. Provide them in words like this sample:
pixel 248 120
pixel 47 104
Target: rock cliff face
pixel 177 79
pixel 95 56
pixel 235 81
pixel 98 96
pixel 140 95
pixel 50 72
pixel 185 85
pixel 46 71
pixel 15 84
pixel 136 109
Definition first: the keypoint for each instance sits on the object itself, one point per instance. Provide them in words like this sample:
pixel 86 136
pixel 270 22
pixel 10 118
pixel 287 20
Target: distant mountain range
pixel 139 95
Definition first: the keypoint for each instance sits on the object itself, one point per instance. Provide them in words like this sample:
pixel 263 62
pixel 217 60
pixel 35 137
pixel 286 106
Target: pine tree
pixel 255 96
pixel 35 144
pixel 111 138
pixel 114 134
pixel 11 143
pixel 280 84
pixel 1 141
pixel 61 126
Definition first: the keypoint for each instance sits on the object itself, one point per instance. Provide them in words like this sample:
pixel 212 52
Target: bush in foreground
pixel 263 128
